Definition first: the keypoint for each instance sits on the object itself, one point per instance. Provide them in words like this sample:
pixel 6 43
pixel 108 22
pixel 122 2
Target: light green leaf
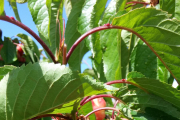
pixel 163 74
pixel 1 7
pixel 21 1
pixel 39 88
pixel 8 51
pixel 40 17
pixel 14 7
pixel 5 69
pixel 177 9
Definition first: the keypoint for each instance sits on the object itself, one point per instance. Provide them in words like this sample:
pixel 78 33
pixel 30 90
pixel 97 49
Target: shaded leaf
pixel 160 89
pixel 168 5
pixel 30 47
pixel 8 51
pixel 42 88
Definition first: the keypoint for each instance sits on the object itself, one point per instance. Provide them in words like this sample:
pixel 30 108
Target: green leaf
pixel 168 5
pixel 4 70
pixel 2 7
pixel 21 1
pixel 135 75
pixel 160 89
pixel 55 7
pixel 163 74
pixel 30 47
pixel 72 34
pixel 177 9
pixel 69 4
pixel 110 43
pixel 39 88
pixel 8 52
pixel 39 12
pixel 143 60
pixel 141 101
pixel 148 23
pixel 87 108
pixel 14 7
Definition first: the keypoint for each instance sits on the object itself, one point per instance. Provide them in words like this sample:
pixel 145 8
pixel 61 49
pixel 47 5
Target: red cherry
pixel 99 103
pixel 19 49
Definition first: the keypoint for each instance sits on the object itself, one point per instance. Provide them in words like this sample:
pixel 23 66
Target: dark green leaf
pixel 55 10
pixel 8 52
pixel 39 88
pixel 143 60
pixel 168 5
pixel 30 47
pixel 139 100
pixel 71 35
pixel 160 89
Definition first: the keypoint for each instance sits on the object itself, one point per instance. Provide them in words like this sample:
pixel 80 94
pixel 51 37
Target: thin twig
pixel 125 81
pixel 99 96
pixel 113 110
pixel 104 108
pixel 15 22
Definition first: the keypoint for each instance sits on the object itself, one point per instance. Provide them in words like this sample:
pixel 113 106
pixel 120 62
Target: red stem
pixel 113 110
pixel 105 27
pixel 125 81
pixel 15 22
pixel 104 108
pixel 99 96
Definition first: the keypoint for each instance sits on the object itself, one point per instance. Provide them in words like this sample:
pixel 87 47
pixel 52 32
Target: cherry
pixel 19 49
pixel 99 103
